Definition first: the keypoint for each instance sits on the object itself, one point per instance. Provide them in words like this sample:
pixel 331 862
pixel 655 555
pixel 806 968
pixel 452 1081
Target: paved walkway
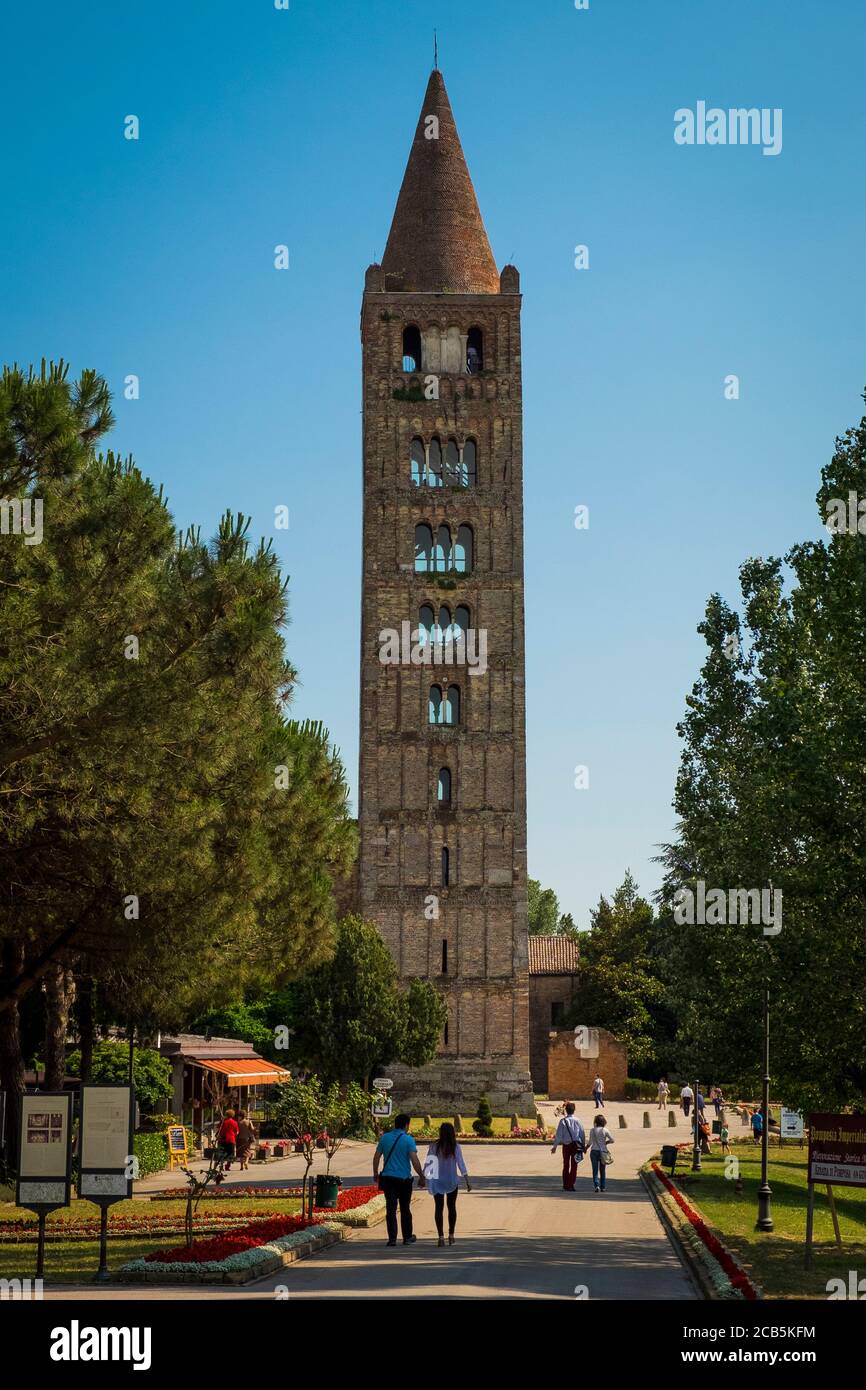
pixel 518 1235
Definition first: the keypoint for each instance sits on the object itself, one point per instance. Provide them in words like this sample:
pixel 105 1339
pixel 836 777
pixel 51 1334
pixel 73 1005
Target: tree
pixel 164 827
pixel 544 918
pixel 351 1016
pixel 424 1017
pixel 543 906
pixel 619 984
pixel 151 1073
pixel 483 1125
pixel 770 795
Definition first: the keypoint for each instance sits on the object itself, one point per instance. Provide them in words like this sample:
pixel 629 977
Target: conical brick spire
pixel 437 240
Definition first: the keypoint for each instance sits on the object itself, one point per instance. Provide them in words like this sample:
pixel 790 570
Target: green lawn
pixel 77 1261
pixel 776 1260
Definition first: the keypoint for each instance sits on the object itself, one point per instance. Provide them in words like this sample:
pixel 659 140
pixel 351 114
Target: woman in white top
pixel 599 1139
pixel 441 1166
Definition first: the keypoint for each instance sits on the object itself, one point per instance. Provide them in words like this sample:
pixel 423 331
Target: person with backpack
pixel 442 1165
pixel 400 1154
pixel 569 1133
pixel 600 1139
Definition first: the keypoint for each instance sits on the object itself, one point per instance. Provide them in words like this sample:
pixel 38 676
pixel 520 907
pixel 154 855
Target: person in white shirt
pixel 687 1095
pixel 598 1092
pixel 569 1133
pixel 663 1093
pixel 441 1166
pixel 600 1139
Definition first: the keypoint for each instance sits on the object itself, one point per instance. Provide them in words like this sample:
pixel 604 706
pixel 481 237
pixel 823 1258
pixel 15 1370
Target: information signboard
pixel 44 1150
pixel 791 1124
pixel 837 1149
pixel 176 1137
pixel 105 1144
pixel 381 1108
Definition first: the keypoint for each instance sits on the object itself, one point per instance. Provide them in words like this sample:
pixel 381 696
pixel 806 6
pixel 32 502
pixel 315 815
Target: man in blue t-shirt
pixel 397 1148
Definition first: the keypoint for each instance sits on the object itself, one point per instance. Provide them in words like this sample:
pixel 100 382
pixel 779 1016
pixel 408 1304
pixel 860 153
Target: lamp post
pixel 765 1218
pixel 696 1150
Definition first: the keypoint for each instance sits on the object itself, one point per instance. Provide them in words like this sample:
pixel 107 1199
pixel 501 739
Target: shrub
pixel 151 1150
pixel 483 1125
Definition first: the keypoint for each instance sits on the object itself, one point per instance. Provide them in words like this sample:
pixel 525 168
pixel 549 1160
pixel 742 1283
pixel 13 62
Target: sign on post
pixel 381 1107
pixel 44 1150
pixel 791 1124
pixel 837 1156
pixel 105 1144
pixel 176 1136
pixel 382 1083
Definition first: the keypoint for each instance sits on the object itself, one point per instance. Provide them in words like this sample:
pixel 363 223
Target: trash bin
pixel 717 1126
pixel 669 1156
pixel 327 1190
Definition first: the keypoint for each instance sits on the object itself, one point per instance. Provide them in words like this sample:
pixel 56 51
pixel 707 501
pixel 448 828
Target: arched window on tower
pixel 469 464
pixel 423 549
pixel 452 463
pixel 426 619
pixel 462 619
pixel 411 348
pixel 474 350
pixel 434 705
pixel 462 559
pixel 418 462
pixel 451 706
pixel 444 624
pixel 434 464
pixel 442 550
pixel 443 787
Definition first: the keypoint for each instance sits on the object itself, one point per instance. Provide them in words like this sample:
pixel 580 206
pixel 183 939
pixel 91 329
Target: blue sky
pixel 261 127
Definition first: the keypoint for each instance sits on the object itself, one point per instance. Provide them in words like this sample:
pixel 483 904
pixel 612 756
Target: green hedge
pixel 151 1150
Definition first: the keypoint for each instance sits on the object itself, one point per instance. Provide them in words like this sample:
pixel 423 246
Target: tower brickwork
pixel 442 806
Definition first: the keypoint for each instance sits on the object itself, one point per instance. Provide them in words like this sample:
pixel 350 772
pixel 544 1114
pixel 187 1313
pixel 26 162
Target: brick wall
pixel 570 1076
pixel 544 992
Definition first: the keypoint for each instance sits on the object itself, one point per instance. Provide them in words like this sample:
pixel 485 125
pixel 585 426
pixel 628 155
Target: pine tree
pixel 483 1125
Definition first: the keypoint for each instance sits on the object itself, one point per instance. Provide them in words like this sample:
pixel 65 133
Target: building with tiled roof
pixel 553 955
pixel 553 964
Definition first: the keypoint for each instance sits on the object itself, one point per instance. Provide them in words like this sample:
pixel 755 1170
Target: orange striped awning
pixel 245 1071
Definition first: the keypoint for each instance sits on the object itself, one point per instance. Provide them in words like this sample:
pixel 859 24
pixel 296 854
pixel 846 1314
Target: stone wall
pixel 570 1076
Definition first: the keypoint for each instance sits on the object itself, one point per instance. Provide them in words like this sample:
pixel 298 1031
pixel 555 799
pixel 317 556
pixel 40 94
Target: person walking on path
pixel 397 1147
pixel 569 1133
pixel 245 1140
pixel 716 1098
pixel 600 1138
pixel 443 1164
pixel 757 1126
pixel 227 1138
pixel 664 1092
pixel 686 1098
pixel 598 1092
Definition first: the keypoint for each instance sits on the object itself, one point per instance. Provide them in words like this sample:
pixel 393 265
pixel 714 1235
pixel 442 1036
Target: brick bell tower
pixel 442 805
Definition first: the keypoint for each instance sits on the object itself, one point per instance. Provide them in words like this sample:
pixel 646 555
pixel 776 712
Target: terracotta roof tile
pixel 553 955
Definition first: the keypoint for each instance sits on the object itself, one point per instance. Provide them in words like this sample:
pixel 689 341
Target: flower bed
pixel 246 1190
pixel 348 1199
pixel 735 1281
pixel 21 1231
pixel 246 1237
pixel 207 1262
pixel 252 1249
